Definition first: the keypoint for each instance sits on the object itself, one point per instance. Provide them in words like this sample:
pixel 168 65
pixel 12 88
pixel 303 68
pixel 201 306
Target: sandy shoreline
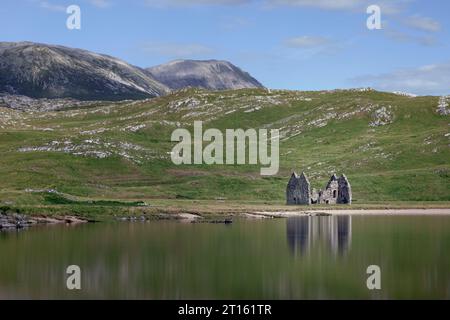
pixel 393 212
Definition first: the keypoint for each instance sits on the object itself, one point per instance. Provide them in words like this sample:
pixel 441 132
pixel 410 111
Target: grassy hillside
pixel 391 147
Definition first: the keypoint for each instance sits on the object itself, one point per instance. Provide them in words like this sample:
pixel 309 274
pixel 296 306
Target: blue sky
pixel 287 44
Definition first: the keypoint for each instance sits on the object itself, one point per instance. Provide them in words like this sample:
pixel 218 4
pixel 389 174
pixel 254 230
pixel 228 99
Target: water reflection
pixel 171 260
pixel 305 233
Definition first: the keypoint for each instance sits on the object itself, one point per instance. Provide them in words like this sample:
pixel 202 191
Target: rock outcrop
pixel 443 106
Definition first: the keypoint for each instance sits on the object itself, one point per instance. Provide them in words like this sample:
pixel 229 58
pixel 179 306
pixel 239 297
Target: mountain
pixel 49 71
pixel 206 74
pixel 39 71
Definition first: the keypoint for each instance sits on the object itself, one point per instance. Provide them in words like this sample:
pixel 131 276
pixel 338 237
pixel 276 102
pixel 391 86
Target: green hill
pixel 391 147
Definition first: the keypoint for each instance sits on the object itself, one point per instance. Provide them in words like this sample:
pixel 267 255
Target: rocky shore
pixel 18 221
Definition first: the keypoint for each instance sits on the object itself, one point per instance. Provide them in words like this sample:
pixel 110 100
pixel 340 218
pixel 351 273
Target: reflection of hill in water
pixel 306 232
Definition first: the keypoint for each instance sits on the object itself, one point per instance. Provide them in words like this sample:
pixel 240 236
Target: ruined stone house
pixel 299 191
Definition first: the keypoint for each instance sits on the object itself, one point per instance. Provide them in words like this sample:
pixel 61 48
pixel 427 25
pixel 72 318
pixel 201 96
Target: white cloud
pixel 402 35
pixel 177 50
pixel 433 79
pixel 305 47
pixel 322 4
pixel 235 23
pixel 423 23
pixel 423 40
pixel 387 6
pixel 51 6
pixel 168 3
pixel 100 3
pixel 307 42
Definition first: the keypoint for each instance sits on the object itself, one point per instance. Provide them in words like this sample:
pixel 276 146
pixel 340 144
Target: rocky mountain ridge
pixel 205 74
pixel 47 71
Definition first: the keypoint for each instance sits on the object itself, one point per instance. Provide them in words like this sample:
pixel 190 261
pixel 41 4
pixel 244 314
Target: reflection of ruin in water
pixel 306 231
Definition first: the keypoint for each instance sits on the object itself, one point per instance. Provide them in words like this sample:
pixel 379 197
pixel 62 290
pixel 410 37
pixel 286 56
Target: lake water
pixel 295 258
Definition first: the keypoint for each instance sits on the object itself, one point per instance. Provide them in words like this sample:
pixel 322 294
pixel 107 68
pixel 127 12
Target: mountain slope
pixel 391 147
pixel 206 74
pixel 48 71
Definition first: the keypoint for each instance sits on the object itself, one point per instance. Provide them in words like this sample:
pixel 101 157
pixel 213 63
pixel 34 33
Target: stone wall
pixel 345 190
pixel 330 194
pixel 298 190
pixel 292 190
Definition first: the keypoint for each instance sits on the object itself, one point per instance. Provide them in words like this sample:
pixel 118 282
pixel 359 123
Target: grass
pixel 403 162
